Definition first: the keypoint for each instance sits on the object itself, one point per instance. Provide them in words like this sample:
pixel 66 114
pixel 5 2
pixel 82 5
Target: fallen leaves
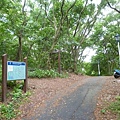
pixel 106 96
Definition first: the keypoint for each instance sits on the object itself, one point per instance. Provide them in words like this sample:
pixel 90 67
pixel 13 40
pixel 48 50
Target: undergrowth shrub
pixel 38 73
pixel 9 110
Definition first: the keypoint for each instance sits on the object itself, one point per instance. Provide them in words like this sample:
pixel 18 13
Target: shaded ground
pixel 45 89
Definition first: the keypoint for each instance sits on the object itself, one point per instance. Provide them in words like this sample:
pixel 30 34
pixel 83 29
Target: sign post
pixel 4 77
pixel 25 80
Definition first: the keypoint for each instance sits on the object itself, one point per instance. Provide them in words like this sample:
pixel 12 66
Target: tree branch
pixel 62 9
pixel 79 18
pixel 70 7
pixel 112 7
pixel 47 15
pixel 63 17
pixel 23 8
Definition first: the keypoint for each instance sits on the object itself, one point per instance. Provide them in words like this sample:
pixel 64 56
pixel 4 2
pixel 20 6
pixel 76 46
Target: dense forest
pixel 53 34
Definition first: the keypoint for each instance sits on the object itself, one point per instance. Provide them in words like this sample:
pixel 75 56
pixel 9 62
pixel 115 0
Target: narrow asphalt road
pixel 78 105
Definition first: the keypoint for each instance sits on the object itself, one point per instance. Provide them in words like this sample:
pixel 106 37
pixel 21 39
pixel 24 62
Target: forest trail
pixel 78 105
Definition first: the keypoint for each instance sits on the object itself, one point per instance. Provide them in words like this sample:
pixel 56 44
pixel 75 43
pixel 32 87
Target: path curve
pixel 78 105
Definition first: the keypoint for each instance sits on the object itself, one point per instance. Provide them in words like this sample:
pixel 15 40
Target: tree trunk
pixel 75 59
pixel 19 53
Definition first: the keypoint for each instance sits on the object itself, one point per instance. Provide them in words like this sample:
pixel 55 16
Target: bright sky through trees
pixel 90 52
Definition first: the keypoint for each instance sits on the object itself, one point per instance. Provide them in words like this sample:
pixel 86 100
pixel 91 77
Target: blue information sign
pixel 16 70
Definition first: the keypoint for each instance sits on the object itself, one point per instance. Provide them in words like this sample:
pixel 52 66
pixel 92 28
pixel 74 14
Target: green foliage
pixel 9 110
pixel 44 73
pixel 37 28
pixel 106 45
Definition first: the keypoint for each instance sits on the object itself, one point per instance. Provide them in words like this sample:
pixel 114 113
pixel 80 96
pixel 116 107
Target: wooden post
pixel 26 80
pixel 59 62
pixel 4 77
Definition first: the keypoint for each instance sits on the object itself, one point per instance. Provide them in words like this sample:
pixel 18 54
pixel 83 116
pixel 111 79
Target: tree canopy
pixel 41 29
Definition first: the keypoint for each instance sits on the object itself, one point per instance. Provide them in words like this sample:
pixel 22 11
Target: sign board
pixel 13 70
pixel 16 70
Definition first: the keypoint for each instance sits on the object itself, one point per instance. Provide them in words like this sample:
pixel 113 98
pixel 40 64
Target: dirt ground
pixel 45 89
pixel 110 90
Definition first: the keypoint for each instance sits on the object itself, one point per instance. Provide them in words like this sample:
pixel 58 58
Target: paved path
pixel 78 105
